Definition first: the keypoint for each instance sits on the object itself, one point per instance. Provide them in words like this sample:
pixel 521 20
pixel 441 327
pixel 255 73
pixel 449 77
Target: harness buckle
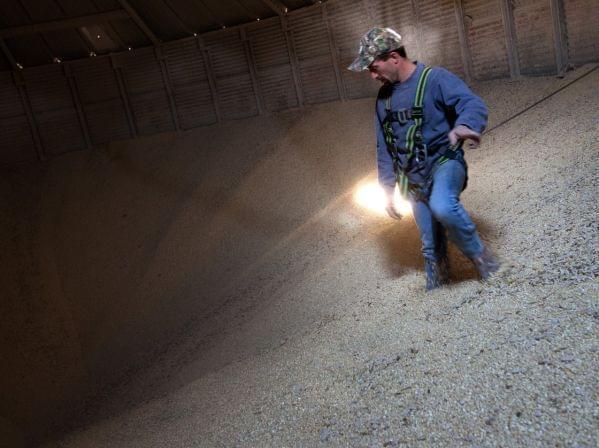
pixel 417 112
pixel 402 116
pixel 420 152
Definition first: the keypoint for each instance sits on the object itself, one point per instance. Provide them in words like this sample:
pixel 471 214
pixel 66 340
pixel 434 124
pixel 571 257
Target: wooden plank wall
pixel 98 90
pixel 581 28
pixel 16 143
pixel 277 64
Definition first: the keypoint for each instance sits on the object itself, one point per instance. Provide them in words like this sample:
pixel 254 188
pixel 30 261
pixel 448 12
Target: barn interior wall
pixel 278 64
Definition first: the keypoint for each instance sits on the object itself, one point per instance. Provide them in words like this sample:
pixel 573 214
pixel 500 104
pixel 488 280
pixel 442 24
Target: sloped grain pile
pixel 231 293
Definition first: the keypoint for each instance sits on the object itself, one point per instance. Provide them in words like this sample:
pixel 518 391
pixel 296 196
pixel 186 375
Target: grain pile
pixel 282 315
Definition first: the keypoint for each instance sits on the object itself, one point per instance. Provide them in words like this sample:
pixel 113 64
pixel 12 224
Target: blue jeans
pixel 443 212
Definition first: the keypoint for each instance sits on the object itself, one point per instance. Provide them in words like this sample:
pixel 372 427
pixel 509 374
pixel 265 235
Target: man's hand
pixel 392 212
pixel 462 132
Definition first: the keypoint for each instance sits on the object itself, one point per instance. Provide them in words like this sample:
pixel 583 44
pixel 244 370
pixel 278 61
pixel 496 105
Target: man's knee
pixel 444 209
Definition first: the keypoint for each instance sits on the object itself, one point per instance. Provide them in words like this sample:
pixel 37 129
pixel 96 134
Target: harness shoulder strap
pixel 414 133
pixel 417 111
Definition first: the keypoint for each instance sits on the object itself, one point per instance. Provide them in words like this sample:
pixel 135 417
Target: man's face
pixel 383 70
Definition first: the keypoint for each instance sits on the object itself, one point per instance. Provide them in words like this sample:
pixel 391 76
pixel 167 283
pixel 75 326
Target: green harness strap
pixel 414 132
pixel 417 111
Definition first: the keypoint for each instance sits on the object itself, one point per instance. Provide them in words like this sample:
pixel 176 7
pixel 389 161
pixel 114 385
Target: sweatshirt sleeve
pixel 384 162
pixel 470 109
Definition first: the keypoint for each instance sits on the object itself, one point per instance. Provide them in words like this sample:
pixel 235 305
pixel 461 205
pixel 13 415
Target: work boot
pixel 486 264
pixel 433 276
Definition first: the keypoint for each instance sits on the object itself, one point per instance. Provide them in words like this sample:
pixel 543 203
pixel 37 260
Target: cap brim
pixel 361 63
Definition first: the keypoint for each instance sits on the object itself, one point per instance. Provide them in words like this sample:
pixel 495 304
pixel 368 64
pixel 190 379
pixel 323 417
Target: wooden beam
pixel 559 35
pixel 210 14
pixel 166 78
pixel 182 22
pixel 62 24
pixel 211 78
pixel 116 66
pixel 8 55
pixel 250 12
pixel 463 38
pixel 114 36
pixel 139 22
pixel 511 40
pixel 252 66
pixel 35 132
pixel 293 61
pixel 68 72
pixel 47 48
pixel 334 54
pixel 277 6
pixel 85 44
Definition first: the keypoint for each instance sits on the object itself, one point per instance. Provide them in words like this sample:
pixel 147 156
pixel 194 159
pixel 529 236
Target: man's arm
pixel 470 109
pixel 386 175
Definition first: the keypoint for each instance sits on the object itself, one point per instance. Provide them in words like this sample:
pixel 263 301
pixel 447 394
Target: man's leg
pixel 445 205
pixel 434 244
pixel 441 252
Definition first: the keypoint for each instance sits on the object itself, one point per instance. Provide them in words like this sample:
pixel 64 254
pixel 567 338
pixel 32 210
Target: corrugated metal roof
pixel 35 32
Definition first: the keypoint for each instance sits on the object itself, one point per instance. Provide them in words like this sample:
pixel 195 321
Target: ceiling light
pixel 20 65
pixel 129 48
pixel 98 36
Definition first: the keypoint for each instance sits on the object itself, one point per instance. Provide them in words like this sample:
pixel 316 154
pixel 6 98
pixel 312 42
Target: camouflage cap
pixel 374 43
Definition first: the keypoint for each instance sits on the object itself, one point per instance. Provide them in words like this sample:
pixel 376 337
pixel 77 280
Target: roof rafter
pixel 114 35
pixel 178 17
pixel 251 14
pixel 84 44
pixel 277 6
pixel 8 54
pixel 210 14
pixel 45 44
pixel 62 24
pixel 139 21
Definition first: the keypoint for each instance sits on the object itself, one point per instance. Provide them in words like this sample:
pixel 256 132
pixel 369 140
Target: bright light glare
pixel 372 197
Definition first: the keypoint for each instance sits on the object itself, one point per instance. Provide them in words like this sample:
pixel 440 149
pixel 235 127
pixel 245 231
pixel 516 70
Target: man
pixel 423 115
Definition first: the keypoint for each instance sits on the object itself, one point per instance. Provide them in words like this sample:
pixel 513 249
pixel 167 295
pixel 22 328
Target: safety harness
pixel 415 147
